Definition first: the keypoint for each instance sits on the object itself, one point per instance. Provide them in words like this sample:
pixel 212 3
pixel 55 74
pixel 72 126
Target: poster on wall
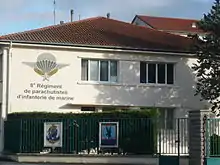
pixel 108 134
pixel 53 134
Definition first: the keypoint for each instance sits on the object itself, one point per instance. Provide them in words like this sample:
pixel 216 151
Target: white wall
pixel 139 22
pixel 1 73
pixel 127 92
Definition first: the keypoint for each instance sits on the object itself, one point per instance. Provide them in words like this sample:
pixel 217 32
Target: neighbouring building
pixel 178 26
pixel 97 63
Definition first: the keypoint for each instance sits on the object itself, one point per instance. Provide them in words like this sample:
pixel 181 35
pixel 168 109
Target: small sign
pixel 108 134
pixel 53 134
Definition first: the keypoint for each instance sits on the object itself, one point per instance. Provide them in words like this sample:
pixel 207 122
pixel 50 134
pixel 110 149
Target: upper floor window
pixel 157 73
pixel 99 70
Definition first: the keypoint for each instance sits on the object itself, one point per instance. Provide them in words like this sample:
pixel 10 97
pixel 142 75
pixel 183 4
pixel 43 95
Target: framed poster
pixel 53 134
pixel 108 134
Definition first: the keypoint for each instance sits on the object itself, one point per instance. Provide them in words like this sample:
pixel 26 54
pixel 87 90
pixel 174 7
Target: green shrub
pixel 148 113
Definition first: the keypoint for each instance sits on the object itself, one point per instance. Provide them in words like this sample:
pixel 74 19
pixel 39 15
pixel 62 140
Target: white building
pixel 178 26
pixel 93 64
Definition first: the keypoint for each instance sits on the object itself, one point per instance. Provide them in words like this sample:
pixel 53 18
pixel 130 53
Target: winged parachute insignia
pixel 46 66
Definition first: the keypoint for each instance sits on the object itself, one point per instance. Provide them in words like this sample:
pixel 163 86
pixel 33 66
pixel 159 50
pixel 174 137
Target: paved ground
pixel 14 163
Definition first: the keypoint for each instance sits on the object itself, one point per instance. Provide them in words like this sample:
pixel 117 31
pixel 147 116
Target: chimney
pixel 108 15
pixel 194 25
pixel 71 15
pixel 61 22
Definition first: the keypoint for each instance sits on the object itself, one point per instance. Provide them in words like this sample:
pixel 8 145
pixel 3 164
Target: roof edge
pixel 169 17
pixel 116 48
pixel 49 26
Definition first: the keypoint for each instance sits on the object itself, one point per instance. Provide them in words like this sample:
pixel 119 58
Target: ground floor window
pixel 88 109
pixel 167 118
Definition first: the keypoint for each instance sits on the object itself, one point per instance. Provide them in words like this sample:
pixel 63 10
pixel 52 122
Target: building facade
pixel 92 66
pixel 77 80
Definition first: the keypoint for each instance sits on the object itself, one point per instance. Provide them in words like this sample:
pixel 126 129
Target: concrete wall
pixel 126 92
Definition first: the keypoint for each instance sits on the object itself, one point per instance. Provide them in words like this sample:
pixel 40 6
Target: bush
pixel 147 113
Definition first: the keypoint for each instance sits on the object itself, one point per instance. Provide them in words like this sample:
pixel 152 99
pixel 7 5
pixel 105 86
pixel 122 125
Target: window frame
pixel 156 72
pixel 99 71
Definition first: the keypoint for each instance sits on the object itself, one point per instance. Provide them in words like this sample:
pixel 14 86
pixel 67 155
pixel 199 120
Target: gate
pixel 212 144
pixel 173 141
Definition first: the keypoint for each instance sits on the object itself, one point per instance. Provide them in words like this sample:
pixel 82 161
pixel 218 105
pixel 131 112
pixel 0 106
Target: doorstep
pixel 87 159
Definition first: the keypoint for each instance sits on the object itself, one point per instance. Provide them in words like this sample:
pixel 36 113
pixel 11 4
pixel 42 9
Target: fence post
pixel 178 139
pixel 196 137
pixel 21 136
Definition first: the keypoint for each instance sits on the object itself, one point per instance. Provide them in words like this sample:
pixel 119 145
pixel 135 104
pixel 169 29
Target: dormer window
pixel 193 25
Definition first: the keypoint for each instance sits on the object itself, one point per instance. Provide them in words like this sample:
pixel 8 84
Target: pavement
pixel 15 163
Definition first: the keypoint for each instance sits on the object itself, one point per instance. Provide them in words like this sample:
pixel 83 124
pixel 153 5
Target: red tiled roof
pixel 100 31
pixel 170 24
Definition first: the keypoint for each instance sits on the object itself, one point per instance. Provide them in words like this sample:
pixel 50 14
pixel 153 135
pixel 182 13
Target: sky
pixel 22 15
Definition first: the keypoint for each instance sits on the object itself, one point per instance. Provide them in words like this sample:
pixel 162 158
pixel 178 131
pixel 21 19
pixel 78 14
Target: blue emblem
pixel 53 134
pixel 108 133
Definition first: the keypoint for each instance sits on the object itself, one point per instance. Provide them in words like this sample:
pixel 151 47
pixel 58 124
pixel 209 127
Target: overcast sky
pixel 21 15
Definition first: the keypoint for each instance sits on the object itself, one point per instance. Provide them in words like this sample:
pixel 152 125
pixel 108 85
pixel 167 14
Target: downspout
pixel 5 91
pixel 8 80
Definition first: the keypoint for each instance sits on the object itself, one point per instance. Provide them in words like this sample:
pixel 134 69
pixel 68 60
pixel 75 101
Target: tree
pixel 208 53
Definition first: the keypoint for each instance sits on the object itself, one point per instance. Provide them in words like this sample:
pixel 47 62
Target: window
pixel 170 73
pixel 88 109
pixel 99 70
pixel 104 71
pixel 167 118
pixel 160 73
pixel 94 67
pixel 151 73
pixel 84 70
pixel 143 72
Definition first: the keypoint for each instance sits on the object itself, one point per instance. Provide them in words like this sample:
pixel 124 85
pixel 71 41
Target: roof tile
pixel 171 24
pixel 103 32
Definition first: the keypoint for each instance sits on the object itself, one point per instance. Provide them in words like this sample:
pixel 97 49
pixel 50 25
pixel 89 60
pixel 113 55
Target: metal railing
pixel 174 141
pixel 212 137
pixel 136 136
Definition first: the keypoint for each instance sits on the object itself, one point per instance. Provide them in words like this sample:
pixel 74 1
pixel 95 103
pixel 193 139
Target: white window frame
pixel 99 65
pixel 156 63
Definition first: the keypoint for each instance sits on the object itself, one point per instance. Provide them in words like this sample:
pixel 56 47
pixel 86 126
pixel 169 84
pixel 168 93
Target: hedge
pixel 148 113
